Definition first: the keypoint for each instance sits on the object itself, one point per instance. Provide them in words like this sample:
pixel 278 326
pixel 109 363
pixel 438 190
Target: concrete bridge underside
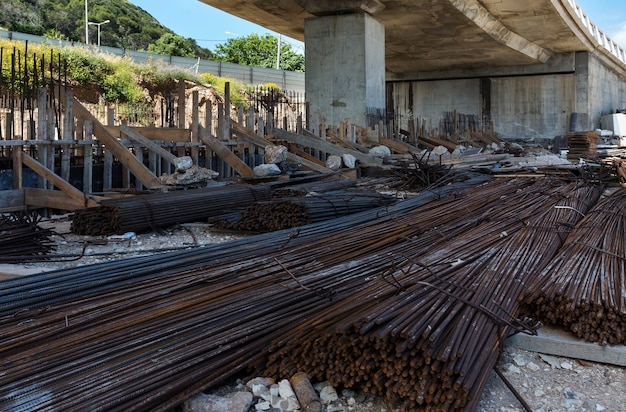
pixel 480 46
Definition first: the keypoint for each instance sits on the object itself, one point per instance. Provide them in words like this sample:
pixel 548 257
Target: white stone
pixel 334 162
pixel 260 381
pixel 274 389
pixel 328 394
pixel 261 391
pixel 263 406
pixel 265 169
pixel 533 366
pixel 237 402
pixel 509 367
pixel 440 150
pixel 566 365
pixel 519 360
pixel 275 154
pixel 380 151
pixel 184 163
pixel 285 390
pixel 349 160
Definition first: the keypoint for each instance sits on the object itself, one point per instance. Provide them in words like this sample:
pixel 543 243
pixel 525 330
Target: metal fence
pixel 286 80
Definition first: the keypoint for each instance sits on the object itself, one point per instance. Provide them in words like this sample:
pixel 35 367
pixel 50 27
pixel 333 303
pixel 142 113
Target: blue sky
pixel 209 26
pixel 203 23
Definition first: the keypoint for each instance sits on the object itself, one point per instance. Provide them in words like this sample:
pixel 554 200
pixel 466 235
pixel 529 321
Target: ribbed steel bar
pixel 439 329
pixel 146 333
pixel 583 287
pixel 155 211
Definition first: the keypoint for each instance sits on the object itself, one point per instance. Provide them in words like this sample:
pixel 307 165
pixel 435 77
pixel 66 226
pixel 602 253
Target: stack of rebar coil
pixel 584 287
pixel 21 235
pixel 400 290
pixel 278 214
pixel 160 210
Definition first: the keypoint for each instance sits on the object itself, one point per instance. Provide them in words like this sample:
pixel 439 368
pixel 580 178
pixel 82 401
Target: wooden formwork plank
pixel 327 147
pixel 56 180
pixel 145 176
pixel 557 342
pixel 224 153
pixel 259 141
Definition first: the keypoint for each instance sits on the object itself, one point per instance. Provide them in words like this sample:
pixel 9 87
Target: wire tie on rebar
pixel 570 208
pixel 597 249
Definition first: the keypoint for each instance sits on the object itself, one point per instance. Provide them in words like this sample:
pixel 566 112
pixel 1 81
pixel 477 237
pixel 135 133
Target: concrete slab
pixel 558 342
pixel 8 271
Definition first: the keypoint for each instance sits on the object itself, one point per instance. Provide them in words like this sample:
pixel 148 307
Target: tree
pixel 172 45
pixel 259 51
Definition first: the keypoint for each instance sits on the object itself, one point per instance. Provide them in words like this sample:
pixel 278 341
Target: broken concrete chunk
pixel 334 162
pixel 380 151
pixel 275 154
pixel 183 163
pixel 348 160
pixel 265 170
pixel 237 402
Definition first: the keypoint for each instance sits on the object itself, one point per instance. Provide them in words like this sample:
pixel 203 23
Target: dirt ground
pixel 546 383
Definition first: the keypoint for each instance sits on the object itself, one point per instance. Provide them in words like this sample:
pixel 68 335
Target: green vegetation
pixel 130 27
pixel 260 51
pixel 237 89
pixel 111 78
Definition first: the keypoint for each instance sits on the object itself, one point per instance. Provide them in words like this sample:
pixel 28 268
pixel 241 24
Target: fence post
pixel 194 126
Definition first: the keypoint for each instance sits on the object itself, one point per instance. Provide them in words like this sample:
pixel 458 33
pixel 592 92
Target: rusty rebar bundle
pixel 160 210
pixel 21 235
pixel 582 289
pixel 278 214
pixel 428 339
pixel 147 333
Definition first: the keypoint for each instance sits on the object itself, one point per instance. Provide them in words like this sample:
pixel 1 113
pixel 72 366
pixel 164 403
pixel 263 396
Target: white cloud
pixel 619 36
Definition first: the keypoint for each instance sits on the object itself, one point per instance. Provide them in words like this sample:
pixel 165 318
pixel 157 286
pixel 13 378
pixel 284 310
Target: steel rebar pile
pixel 583 288
pixel 278 214
pixel 21 235
pixel 429 339
pixel 147 333
pixel 160 210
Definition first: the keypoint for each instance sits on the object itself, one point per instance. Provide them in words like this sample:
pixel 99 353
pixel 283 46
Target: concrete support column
pixel 345 68
pixel 582 105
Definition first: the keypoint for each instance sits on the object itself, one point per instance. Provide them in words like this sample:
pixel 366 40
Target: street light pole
pixel 99 24
pixel 86 24
pixel 278 53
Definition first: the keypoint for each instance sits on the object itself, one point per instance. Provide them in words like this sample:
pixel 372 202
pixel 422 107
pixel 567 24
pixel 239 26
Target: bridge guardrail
pixel 597 34
pixel 287 80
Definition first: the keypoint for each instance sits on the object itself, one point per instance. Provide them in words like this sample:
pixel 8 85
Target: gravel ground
pixel 546 383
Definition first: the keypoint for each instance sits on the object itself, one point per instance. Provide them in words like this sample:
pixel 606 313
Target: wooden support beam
pixel 224 153
pixel 137 137
pixel 165 134
pixel 12 200
pixel 399 147
pixel 327 147
pixel 297 151
pixel 259 141
pixel 137 168
pixel 18 181
pixel 56 180
pixel 557 342
pixel 53 199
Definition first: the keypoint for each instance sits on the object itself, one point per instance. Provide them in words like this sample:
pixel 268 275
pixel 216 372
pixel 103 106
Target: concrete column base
pixel 345 68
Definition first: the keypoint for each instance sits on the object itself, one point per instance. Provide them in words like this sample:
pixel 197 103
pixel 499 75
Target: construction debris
pixel 582 145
